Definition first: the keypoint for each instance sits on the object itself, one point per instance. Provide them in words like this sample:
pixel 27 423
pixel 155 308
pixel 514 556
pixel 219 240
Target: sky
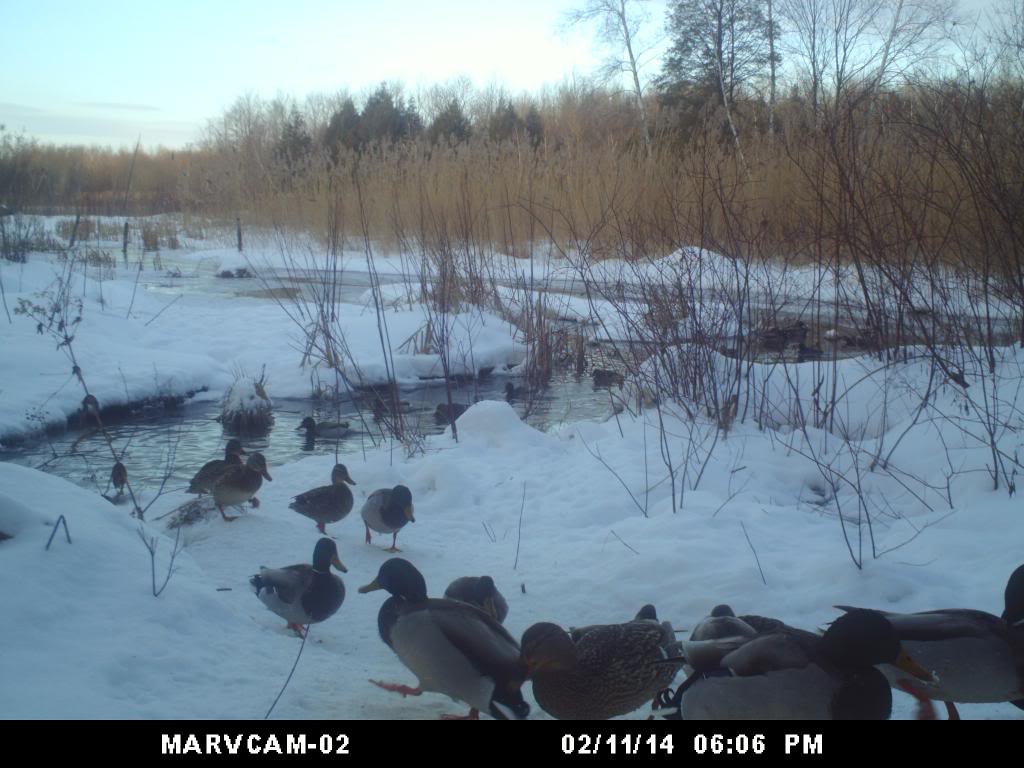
pixel 104 71
pixel 110 72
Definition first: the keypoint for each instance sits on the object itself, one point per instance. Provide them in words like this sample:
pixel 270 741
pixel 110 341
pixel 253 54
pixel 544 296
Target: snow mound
pixel 494 422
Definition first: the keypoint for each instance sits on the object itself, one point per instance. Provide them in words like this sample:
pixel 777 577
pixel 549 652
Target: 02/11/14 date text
pixel 614 744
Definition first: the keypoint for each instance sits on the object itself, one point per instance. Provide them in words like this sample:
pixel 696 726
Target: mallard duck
pixel 90 410
pixel 793 674
pixel 446 414
pixel 119 477
pixel 601 671
pixel 387 510
pixel 239 484
pixel 327 429
pixel 481 592
pixel 605 378
pixel 211 470
pixel 304 594
pixel 452 647
pixel 722 623
pixel 328 503
pixel 977 657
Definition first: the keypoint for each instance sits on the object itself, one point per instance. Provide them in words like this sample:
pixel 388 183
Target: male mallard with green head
pixel 304 594
pixel 328 429
pixel 212 470
pixel 328 503
pixel 793 674
pixel 452 647
pixel 977 657
pixel 600 671
pixel 387 510
pixel 481 592
pixel 239 484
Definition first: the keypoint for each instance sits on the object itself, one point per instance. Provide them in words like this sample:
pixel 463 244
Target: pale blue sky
pixel 107 71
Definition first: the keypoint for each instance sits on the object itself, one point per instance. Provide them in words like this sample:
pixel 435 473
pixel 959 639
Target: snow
pixel 569 545
pixel 201 340
pixel 577 525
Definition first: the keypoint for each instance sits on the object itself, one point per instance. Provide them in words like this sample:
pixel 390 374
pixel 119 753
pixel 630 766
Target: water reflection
pixel 186 439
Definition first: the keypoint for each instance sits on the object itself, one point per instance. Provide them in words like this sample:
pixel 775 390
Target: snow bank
pixel 563 532
pixel 130 348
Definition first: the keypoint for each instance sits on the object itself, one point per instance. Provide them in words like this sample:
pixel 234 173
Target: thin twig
pixel 297 657
pixel 756 558
pixel 519 535
pixel 624 543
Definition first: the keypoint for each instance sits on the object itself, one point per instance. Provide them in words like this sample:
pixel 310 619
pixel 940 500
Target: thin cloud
pixel 119 106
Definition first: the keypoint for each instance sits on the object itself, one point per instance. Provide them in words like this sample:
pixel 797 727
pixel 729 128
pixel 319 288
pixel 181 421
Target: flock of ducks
pixel 735 667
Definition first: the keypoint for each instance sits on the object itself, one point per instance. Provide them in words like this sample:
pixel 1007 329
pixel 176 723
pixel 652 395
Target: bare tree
pixel 619 24
pixel 862 43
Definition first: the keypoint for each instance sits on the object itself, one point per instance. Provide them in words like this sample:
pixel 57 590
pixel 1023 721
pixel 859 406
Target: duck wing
pixel 481 639
pixel 207 475
pixel 287 583
pixel 948 624
pixel 769 653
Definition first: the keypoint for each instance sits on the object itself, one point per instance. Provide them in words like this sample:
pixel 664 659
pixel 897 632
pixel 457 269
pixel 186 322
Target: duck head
pixel 340 475
pixel 547 646
pixel 325 554
pixel 863 638
pixel 233 448
pixel 484 593
pixel 401 578
pixel 257 463
pixel 401 499
pixel 307 424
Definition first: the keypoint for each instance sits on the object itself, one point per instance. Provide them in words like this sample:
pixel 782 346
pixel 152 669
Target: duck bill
pixel 339 565
pixel 911 667
pixel 373 586
pixel 348 479
pixel 408 514
pixel 267 475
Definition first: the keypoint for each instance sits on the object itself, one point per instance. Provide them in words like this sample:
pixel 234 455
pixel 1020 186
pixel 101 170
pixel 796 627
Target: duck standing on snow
pixel 481 592
pixel 794 675
pixel 212 470
pixel 452 647
pixel 304 594
pixel 977 657
pixel 328 503
pixel 239 484
pixel 119 478
pixel 328 429
pixel 600 671
pixel 387 510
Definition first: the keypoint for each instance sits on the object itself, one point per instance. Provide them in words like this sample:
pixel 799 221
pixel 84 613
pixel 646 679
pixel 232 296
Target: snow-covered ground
pixel 80 617
pixel 576 525
pixel 157 349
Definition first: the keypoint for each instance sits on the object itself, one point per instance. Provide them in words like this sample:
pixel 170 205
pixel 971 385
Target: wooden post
pixel 238 229
pixel 124 247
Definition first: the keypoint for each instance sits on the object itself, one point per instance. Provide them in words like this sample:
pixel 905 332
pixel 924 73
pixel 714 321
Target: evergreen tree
pixel 295 143
pixel 534 126
pixel 343 129
pixel 451 125
pixel 504 123
pixel 717 47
